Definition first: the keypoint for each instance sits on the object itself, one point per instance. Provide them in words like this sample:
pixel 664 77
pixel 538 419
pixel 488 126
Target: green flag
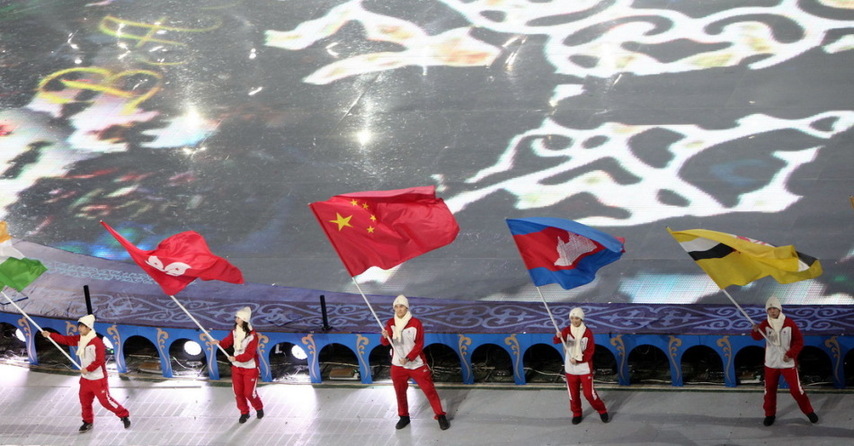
pixel 16 271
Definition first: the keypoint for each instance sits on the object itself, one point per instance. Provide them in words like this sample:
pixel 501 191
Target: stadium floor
pixel 42 408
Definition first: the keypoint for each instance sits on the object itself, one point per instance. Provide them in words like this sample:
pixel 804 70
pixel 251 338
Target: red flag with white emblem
pixel 180 259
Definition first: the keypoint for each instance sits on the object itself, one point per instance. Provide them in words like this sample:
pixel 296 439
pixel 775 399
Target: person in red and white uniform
pixel 578 365
pixel 244 364
pixel 93 380
pixel 783 343
pixel 408 362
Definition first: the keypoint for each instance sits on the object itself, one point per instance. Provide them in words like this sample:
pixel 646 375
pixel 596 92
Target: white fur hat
pixel 245 314
pixel 773 302
pixel 577 312
pixel 88 320
pixel 400 300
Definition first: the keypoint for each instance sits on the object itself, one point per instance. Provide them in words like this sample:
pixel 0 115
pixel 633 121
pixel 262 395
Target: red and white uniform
pixel 411 345
pixel 244 370
pixel 579 376
pixel 788 342
pixel 93 381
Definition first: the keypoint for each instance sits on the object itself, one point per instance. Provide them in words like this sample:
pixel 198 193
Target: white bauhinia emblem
pixel 173 269
pixel 569 251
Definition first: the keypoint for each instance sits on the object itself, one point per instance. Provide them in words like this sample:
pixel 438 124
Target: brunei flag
pixel 16 271
pixel 735 260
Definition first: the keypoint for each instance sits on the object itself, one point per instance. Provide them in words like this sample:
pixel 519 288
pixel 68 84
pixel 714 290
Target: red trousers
pixel 92 388
pixel 585 382
pixel 772 377
pixel 424 378
pixel 244 382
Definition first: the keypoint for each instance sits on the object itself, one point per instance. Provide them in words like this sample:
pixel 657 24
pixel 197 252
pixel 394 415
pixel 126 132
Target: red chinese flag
pixel 385 228
pixel 180 259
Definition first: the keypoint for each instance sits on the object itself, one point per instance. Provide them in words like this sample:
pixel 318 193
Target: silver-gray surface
pixel 42 409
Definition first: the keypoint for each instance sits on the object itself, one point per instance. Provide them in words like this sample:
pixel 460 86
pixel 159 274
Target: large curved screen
pixel 228 118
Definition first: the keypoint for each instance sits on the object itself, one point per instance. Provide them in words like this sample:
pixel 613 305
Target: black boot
pixel 813 417
pixel 604 417
pixel 243 418
pixel 403 422
pixel 444 424
pixel 260 413
pixel 576 420
pixel 86 427
pixel 769 420
pixel 126 422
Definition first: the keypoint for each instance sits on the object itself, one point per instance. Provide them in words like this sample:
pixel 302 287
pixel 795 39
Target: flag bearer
pixel 783 343
pixel 93 379
pixel 578 366
pixel 244 364
pixel 408 362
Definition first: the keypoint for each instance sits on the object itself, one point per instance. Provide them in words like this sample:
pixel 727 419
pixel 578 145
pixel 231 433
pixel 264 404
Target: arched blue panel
pixel 515 344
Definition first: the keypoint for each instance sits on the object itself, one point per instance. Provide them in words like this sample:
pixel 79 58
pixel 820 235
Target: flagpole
pixel 557 329
pixel 382 327
pixel 738 306
pixel 752 322
pixel 200 326
pixel 40 330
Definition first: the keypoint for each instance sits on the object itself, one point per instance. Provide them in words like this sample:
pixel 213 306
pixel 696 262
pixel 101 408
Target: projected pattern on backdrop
pixel 171 117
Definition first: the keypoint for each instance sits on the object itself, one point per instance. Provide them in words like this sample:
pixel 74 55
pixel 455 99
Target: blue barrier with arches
pixel 464 345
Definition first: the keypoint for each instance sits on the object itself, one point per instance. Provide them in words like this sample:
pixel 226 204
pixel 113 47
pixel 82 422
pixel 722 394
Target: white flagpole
pixel 382 327
pixel 739 307
pixel 557 329
pixel 40 330
pixel 752 323
pixel 199 325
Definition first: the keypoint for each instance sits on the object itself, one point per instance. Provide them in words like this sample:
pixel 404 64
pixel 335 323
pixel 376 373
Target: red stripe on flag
pixel 541 249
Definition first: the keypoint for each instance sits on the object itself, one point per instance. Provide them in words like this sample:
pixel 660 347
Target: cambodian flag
pixel 562 251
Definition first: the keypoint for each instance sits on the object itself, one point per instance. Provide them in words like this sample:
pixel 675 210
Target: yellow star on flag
pixel 341 221
pixel 386 228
